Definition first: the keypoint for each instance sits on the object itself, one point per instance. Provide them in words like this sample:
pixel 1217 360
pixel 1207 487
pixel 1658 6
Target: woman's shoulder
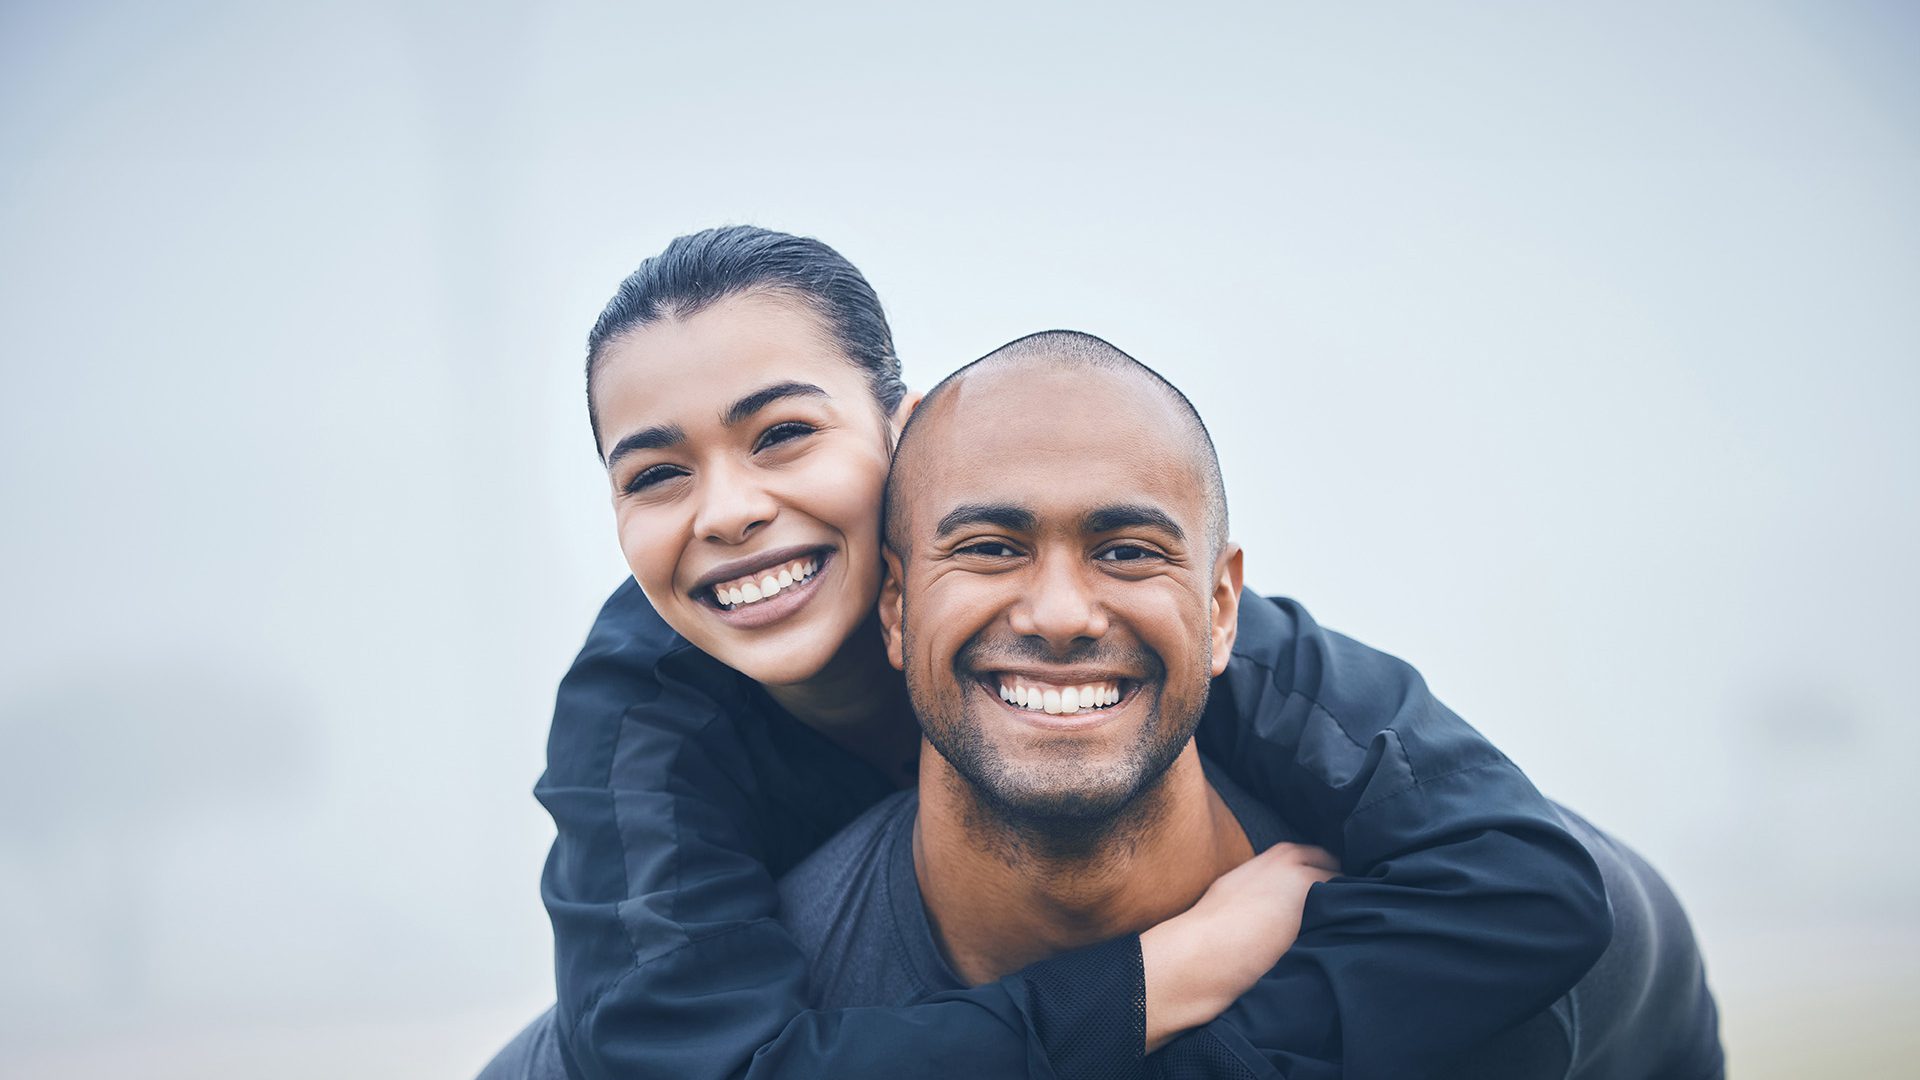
pixel 628 623
pixel 634 678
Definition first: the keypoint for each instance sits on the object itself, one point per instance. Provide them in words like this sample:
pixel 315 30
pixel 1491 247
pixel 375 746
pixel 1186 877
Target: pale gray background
pixel 1568 352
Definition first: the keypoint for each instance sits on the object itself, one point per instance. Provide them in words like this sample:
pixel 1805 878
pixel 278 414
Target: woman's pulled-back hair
pixel 700 269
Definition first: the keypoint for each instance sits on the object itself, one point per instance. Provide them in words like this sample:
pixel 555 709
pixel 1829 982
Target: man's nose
pixel 1060 604
pixel 733 505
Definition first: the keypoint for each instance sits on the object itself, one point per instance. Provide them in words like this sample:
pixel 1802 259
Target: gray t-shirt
pixel 854 905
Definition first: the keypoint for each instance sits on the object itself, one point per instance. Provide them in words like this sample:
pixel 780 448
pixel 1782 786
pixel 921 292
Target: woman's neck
pixel 860 702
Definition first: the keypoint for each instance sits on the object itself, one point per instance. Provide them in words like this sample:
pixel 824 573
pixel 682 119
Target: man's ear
pixel 890 606
pixel 1227 576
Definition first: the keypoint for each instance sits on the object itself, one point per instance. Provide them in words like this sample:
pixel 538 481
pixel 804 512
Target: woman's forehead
pixel 693 369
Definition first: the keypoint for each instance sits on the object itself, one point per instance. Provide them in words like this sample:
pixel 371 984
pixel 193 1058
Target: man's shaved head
pixel 1053 351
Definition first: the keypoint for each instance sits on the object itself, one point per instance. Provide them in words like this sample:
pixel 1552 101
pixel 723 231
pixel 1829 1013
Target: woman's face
pixel 747 458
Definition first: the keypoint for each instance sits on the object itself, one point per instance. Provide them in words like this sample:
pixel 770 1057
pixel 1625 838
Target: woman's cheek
pixel 646 550
pixel 848 498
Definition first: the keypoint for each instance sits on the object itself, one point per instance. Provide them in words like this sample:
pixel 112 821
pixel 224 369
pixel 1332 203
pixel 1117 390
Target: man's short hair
pixel 1056 349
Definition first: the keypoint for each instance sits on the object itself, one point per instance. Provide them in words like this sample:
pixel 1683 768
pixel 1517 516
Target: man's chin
pixel 1068 801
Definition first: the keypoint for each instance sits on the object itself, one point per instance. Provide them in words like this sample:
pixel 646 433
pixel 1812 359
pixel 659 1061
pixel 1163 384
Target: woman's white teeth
pixel 1059 699
pixel 754 588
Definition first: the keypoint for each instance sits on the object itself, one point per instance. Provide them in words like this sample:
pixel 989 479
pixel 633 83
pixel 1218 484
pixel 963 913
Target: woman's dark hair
pixel 700 269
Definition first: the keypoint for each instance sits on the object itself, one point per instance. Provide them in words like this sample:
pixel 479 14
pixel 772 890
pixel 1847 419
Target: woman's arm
pixel 673 821
pixel 1198 964
pixel 1466 907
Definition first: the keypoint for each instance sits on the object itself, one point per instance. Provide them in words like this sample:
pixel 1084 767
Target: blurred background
pixel 1572 354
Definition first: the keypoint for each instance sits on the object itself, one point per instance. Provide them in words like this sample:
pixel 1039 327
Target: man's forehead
pixel 1056 441
pixel 1018 405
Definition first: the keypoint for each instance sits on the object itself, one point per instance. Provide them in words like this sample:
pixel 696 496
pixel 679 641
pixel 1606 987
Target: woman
pixel 735 708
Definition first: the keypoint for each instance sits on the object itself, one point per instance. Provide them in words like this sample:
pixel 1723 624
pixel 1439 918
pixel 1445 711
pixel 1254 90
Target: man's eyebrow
pixel 652 438
pixel 1010 518
pixel 1130 516
pixel 766 396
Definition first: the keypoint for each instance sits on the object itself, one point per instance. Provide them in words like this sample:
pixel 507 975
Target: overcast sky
pixel 1570 353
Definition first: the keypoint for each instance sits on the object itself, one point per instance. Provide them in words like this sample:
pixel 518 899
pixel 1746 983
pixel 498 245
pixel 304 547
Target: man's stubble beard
pixel 1051 809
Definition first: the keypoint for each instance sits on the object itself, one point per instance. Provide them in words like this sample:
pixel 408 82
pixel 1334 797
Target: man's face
pixel 1058 610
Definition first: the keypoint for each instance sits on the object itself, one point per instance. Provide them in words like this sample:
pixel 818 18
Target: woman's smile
pixel 772 588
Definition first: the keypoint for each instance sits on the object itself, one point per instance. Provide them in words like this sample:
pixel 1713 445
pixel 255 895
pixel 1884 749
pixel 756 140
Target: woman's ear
pixel 1227 576
pixel 903 410
pixel 890 596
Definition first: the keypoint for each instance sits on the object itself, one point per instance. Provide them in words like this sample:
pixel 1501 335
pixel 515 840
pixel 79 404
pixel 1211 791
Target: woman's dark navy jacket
pixel 681 791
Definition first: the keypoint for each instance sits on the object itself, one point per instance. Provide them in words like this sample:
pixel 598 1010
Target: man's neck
pixel 1000 898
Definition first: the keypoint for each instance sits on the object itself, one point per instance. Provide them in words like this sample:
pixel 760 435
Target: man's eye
pixel 652 477
pixel 1125 553
pixel 990 549
pixel 782 433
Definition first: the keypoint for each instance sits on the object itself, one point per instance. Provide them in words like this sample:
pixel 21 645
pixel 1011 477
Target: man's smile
pixel 1059 699
pixel 1056 696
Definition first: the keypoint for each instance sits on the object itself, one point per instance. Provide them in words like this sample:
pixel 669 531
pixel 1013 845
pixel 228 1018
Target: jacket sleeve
pixel 1465 906
pixel 669 962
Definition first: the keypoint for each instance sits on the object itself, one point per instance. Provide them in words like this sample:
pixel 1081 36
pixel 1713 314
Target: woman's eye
pixel 652 477
pixel 782 433
pixel 1126 553
pixel 991 549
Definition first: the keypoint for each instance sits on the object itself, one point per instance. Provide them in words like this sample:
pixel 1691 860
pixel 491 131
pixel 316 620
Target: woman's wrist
pixel 1183 992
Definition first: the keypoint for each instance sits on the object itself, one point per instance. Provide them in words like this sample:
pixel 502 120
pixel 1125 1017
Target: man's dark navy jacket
pixel 681 791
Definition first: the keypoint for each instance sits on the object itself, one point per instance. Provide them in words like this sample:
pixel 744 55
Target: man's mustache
pixel 980 654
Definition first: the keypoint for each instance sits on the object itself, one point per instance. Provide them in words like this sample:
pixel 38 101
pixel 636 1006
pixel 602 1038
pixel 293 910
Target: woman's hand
pixel 1198 962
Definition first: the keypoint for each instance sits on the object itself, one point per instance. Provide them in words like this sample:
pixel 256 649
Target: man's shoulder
pixel 1283 642
pixel 839 892
pixel 1353 717
pixel 1263 826
pixel 851 855
pixel 1644 1008
pixel 853 907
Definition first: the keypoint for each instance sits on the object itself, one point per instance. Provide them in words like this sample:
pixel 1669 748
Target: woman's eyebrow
pixel 652 438
pixel 767 395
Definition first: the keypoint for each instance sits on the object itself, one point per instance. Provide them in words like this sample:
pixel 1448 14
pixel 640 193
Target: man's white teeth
pixel 1059 699
pixel 756 587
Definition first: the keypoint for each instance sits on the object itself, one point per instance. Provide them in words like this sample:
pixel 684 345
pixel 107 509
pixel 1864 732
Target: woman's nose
pixel 733 506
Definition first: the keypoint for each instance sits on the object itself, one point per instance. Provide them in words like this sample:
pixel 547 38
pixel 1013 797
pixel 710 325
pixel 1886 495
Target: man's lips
pixel 1063 694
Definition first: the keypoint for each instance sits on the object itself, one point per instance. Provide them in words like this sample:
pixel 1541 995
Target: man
pixel 1061 594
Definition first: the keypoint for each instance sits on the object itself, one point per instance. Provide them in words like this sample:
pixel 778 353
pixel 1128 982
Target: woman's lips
pixel 786 599
pixel 763 585
pixel 737 570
